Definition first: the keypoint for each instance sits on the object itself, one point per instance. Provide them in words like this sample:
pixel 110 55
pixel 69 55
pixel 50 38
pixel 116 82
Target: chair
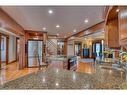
pixel 43 64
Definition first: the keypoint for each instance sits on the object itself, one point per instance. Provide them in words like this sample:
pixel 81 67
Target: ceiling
pixel 69 18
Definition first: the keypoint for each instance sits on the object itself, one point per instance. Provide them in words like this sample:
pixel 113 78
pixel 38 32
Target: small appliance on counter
pixel 72 63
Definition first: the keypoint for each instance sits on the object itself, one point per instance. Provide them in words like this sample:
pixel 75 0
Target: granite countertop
pixel 54 78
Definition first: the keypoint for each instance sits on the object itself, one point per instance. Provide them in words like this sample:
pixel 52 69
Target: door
pixel 34 53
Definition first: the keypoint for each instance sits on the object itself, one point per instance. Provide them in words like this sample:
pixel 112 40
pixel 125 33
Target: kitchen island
pixel 54 78
pixel 64 62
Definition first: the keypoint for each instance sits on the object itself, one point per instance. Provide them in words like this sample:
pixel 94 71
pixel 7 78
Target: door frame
pixel 7 48
pixel 27 52
pixel 79 42
pixel 17 48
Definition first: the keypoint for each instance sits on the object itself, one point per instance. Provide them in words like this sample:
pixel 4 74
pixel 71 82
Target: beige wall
pixel 88 43
pixel 70 47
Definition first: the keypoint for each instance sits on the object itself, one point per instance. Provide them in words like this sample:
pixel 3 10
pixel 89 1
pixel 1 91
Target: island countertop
pixel 54 78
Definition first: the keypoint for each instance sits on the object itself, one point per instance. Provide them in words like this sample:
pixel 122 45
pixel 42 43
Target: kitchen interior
pixel 102 49
pixel 105 48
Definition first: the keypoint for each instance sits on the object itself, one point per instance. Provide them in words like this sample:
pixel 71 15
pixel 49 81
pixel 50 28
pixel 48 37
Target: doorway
pixel 60 47
pixel 4 50
pixel 78 48
pixel 35 52
pixel 97 49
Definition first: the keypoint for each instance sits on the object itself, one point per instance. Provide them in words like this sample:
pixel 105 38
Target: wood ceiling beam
pixel 90 30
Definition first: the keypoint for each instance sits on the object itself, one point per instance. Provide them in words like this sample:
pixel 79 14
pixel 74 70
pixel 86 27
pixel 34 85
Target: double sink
pixel 112 68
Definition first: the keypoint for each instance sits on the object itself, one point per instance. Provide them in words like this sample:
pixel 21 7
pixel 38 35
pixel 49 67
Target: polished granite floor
pixel 11 71
pixel 54 78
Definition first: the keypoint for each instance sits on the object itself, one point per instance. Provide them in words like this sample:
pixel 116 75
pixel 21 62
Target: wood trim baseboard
pixel 12 61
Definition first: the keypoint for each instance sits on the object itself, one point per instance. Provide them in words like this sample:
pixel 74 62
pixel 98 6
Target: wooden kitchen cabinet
pixel 113 34
pixel 112 29
pixel 122 16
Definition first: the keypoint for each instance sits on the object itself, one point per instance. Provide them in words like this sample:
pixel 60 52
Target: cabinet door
pixel 123 24
pixel 113 34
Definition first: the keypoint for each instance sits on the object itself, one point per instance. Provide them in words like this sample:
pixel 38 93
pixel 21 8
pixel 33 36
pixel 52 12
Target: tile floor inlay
pixel 54 78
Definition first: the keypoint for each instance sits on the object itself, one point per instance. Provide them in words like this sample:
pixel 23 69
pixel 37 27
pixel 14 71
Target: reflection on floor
pixel 86 67
pixel 11 71
pixel 33 61
pixel 3 65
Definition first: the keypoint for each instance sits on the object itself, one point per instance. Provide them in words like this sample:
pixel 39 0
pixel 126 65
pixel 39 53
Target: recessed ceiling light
pixel 57 26
pixel 86 21
pixel 50 11
pixel 74 30
pixel 44 28
pixel 57 84
pixel 117 10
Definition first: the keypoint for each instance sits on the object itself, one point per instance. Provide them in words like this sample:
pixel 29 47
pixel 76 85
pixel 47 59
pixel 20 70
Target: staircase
pixel 52 47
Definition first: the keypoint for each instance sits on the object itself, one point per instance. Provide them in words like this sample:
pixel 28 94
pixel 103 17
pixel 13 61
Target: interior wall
pixel 13 27
pixel 87 43
pixel 3 49
pixel 12 48
pixel 70 47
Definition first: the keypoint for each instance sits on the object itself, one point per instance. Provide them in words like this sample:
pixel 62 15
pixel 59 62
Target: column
pixel 44 46
pixel 65 47
pixel 22 63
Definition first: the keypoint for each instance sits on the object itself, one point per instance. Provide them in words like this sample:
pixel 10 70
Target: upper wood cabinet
pixel 112 33
pixel 111 29
pixel 122 15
